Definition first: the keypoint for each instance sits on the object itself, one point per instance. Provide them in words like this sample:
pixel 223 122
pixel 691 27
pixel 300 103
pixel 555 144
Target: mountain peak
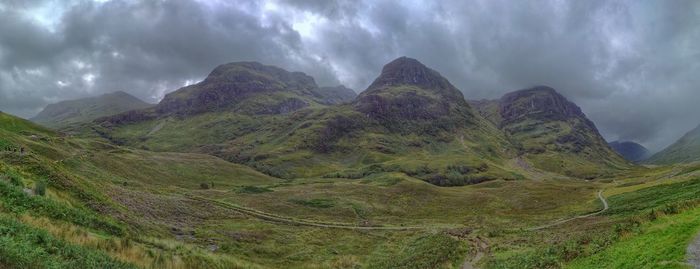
pixel 237 86
pixel 539 101
pixel 409 71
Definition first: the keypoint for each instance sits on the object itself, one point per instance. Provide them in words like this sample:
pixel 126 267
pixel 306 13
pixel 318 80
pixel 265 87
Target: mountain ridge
pixel 685 150
pixel 631 151
pixel 68 112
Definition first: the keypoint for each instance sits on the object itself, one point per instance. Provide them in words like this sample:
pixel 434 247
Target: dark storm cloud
pixel 631 65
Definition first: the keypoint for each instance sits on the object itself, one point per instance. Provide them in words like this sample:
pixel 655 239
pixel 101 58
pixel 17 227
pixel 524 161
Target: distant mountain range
pixel 631 151
pixel 685 150
pixel 65 113
pixel 410 119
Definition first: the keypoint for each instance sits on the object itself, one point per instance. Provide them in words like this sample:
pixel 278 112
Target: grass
pixel 659 244
pixel 90 183
pixel 427 251
pixel 22 246
pixel 656 197
pixel 18 202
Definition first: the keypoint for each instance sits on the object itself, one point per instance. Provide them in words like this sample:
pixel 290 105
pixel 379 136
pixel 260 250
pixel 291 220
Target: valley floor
pixel 113 207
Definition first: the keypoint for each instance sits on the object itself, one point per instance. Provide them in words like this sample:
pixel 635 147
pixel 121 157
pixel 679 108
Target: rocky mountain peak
pixel 540 102
pixel 229 85
pixel 409 71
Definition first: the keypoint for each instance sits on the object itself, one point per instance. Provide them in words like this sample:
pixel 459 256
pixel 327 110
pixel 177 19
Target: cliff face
pixel 407 93
pixel 542 103
pixel 552 131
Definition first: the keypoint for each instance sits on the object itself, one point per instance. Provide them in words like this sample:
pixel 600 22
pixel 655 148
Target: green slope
pixel 66 113
pixel 420 127
pixel 685 150
pixel 552 133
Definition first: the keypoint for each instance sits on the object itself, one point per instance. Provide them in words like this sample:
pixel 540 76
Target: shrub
pixel 253 189
pixel 40 188
pixel 317 203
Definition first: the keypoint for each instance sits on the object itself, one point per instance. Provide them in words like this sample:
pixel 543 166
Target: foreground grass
pixel 22 246
pixel 658 244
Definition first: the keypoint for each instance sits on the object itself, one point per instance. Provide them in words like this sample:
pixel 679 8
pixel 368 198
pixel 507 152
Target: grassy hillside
pixel 552 133
pixel 441 141
pixel 66 113
pixel 119 207
pixel 685 150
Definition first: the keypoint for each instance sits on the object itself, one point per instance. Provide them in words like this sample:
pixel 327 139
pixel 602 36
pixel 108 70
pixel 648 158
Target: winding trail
pixel 303 222
pixel 605 208
pixel 481 248
pixel 481 245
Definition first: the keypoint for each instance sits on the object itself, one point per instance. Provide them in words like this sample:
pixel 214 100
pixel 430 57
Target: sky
pixel 632 66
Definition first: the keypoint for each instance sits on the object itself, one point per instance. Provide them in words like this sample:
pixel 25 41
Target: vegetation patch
pixel 316 203
pixel 430 251
pixel 16 201
pixel 253 189
pixel 22 246
pixel 656 197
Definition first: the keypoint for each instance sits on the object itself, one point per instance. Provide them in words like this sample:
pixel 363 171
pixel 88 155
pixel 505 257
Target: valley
pixel 256 167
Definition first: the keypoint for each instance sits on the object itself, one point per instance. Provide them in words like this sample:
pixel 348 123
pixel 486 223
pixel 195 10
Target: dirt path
pixel 605 208
pixel 693 253
pixel 302 222
pixel 481 249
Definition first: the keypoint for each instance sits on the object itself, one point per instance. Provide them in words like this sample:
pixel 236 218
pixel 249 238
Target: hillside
pixel 336 95
pixel 408 117
pixel 631 151
pixel 552 132
pixel 685 150
pixel 65 113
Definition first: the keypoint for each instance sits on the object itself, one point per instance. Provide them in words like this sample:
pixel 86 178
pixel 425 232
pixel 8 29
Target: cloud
pixel 631 65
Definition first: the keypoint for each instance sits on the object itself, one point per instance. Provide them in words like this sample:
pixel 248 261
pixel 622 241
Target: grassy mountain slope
pixel 336 95
pixel 410 120
pixel 130 207
pixel 631 151
pixel 65 113
pixel 552 133
pixel 118 207
pixel 685 150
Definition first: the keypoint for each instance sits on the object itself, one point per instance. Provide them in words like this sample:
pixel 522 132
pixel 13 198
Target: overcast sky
pixel 633 66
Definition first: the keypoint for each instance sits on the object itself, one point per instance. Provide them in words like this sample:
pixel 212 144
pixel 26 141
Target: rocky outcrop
pixel 231 84
pixel 412 97
pixel 542 103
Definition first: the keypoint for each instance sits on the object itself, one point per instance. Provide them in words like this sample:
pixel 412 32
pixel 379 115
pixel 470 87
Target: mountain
pixel 411 119
pixel 631 151
pixel 336 95
pixel 408 94
pixel 65 113
pixel 552 132
pixel 685 150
